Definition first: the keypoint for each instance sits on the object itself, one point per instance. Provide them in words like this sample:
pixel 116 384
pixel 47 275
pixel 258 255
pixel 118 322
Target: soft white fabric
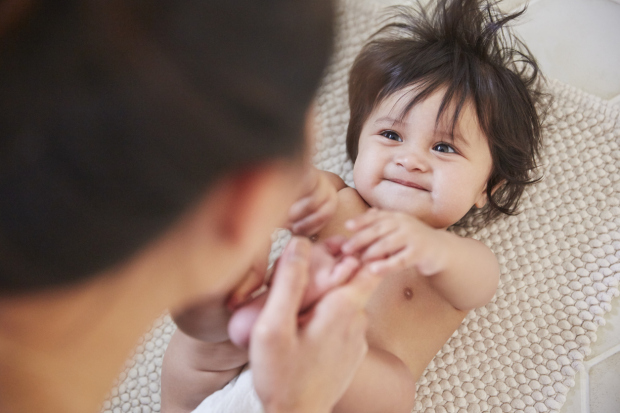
pixel 559 260
pixel 237 397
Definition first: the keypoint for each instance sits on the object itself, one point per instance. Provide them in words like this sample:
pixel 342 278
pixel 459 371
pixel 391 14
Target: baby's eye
pixel 444 147
pixel 391 135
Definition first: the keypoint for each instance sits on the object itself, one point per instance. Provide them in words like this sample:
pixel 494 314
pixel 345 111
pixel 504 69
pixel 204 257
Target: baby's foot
pixel 243 319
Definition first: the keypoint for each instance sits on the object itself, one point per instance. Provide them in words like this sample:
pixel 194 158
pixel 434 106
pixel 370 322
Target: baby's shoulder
pixel 350 197
pixel 350 205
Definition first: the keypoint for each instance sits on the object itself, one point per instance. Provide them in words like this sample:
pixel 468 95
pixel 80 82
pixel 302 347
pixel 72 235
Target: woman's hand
pixel 328 269
pixel 307 368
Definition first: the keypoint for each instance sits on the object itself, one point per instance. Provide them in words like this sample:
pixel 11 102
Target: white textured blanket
pixel 559 261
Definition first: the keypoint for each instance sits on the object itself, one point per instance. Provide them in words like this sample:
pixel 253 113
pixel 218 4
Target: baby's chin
pixel 433 220
pixel 419 207
pixel 406 206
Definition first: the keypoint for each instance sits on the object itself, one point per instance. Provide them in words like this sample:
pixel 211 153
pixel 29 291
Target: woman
pixel 147 150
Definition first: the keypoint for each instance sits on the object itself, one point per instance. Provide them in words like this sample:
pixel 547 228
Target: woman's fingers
pixel 319 357
pixel 287 288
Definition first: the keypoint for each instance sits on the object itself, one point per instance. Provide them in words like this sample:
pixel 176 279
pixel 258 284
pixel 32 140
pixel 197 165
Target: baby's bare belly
pixel 406 315
pixel 410 320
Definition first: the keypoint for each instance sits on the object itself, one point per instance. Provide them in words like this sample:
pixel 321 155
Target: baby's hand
pixel 328 269
pixel 392 241
pixel 310 213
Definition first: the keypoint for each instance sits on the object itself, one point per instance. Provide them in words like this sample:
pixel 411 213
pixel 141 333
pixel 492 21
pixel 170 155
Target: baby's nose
pixel 412 160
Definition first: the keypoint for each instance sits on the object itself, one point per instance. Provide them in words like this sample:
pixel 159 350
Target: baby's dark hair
pixel 465 47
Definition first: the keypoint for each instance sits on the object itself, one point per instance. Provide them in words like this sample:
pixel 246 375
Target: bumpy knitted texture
pixel 559 261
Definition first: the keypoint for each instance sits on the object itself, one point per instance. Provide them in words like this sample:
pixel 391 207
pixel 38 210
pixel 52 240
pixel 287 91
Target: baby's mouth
pixel 407 183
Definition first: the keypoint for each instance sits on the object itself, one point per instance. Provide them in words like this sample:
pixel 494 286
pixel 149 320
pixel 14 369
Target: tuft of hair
pixel 467 48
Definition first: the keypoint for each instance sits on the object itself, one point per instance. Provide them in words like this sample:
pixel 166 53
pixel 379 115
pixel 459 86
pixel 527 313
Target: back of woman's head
pixel 115 116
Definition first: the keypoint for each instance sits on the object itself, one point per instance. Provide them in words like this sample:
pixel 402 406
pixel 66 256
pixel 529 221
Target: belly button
pixel 408 293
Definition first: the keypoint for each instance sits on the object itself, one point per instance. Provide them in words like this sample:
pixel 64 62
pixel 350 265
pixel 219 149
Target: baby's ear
pixel 482 199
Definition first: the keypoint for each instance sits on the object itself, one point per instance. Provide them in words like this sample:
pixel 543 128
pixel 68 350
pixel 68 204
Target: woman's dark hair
pixel 465 47
pixel 117 115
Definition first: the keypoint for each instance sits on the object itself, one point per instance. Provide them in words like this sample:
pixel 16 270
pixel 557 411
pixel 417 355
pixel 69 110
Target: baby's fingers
pixel 334 244
pixel 387 246
pixel 362 221
pixel 368 236
pixel 338 275
pixel 314 222
pixel 304 207
pixel 394 263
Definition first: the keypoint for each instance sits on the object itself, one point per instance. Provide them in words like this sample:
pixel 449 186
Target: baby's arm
pixel 194 369
pixel 464 271
pixel 383 384
pixel 470 276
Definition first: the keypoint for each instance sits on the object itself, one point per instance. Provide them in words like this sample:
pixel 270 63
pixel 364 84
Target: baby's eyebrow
pixel 390 120
pixel 452 137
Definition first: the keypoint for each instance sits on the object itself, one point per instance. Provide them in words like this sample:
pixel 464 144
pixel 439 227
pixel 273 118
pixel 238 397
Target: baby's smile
pixel 407 183
pixel 414 166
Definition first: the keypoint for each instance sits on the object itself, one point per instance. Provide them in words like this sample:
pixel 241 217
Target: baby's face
pixel 413 167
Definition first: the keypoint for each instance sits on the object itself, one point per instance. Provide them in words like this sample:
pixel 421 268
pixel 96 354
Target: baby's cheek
pixel 364 189
pixel 451 207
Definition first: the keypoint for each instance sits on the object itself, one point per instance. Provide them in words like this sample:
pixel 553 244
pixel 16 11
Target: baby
pixel 444 128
